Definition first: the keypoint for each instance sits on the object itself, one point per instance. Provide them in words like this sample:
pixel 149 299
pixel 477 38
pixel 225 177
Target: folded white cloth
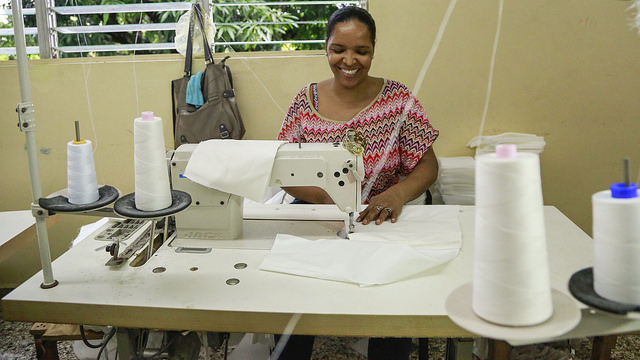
pixel 525 142
pixel 241 167
pixel 456 180
pixel 423 237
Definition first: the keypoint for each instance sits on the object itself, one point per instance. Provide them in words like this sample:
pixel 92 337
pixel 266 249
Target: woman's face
pixel 350 51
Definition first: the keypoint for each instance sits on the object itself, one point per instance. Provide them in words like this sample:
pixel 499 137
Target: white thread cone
pixel 152 190
pixel 616 235
pixel 511 284
pixel 82 185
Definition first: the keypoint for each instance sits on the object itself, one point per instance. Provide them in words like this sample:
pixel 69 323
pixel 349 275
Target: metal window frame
pixel 47 30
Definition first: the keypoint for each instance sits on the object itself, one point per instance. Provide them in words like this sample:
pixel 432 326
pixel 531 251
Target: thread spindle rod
pixel 626 172
pixel 77 130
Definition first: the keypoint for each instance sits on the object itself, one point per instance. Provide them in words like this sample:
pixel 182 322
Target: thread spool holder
pixel 581 287
pixel 565 317
pixel 126 207
pixel 58 202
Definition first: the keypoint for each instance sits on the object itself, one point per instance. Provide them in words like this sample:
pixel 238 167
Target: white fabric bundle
pixel 241 167
pixel 524 142
pixel 456 180
pixel 423 237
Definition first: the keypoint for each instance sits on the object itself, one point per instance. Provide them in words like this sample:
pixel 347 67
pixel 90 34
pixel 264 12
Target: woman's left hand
pixel 388 204
pixel 381 207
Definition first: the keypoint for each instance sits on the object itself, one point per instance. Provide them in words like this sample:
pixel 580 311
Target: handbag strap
pixel 227 70
pixel 208 56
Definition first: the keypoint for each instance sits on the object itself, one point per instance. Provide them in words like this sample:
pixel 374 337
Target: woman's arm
pixel 424 174
pixel 312 194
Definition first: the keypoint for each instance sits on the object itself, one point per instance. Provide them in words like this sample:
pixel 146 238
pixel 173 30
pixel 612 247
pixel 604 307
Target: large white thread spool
pixel 511 284
pixel 152 190
pixel 616 235
pixel 82 184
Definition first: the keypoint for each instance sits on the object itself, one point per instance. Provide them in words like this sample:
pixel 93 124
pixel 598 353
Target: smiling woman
pixel 399 160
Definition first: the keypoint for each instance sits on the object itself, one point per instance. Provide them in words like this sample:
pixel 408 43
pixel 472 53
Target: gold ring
pixel 379 208
pixel 389 210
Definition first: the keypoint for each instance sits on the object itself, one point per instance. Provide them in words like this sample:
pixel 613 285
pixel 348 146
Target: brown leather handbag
pixel 218 117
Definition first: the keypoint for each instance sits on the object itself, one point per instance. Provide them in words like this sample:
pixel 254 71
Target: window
pixel 68 28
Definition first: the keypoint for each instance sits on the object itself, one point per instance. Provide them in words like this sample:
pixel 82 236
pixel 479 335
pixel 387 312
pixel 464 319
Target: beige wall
pixel 565 70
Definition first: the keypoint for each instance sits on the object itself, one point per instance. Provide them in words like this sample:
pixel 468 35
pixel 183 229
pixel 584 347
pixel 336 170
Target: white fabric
pixel 375 254
pixel 456 180
pixel 241 167
pixel 525 142
pixel 430 227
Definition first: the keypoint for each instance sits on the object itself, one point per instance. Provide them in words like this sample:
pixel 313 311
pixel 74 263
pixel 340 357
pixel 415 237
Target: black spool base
pixel 581 287
pixel 126 206
pixel 107 194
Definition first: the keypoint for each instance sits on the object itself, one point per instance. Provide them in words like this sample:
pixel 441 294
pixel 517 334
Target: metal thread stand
pixel 27 124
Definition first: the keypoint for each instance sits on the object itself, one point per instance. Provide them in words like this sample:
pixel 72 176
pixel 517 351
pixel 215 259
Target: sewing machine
pixel 217 215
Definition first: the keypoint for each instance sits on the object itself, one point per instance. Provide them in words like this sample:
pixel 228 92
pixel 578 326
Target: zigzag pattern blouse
pixel 395 125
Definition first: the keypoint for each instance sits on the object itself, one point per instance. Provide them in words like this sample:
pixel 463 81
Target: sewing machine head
pixel 327 166
pixel 216 215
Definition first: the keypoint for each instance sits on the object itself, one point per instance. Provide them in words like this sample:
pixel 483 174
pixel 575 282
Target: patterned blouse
pixel 395 125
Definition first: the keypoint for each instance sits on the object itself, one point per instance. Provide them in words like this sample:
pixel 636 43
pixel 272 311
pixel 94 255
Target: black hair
pixel 350 13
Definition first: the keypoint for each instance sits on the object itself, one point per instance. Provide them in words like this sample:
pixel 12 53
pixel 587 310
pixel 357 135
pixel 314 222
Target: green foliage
pixel 245 23
pixel 249 24
pixel 310 31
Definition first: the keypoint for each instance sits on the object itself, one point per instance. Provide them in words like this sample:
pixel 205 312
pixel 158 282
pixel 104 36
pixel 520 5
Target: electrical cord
pixel 105 342
pixel 86 341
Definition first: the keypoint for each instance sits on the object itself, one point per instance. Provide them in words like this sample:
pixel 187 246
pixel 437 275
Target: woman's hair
pixel 350 13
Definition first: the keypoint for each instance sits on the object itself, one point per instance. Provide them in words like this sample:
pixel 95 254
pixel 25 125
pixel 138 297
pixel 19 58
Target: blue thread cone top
pixel 623 191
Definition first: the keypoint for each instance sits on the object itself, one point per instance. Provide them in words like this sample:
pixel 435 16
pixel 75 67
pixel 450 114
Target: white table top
pixel 13 223
pixel 182 297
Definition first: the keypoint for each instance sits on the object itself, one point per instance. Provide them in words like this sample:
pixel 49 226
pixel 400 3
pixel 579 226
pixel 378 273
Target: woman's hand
pixel 382 207
pixel 388 204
